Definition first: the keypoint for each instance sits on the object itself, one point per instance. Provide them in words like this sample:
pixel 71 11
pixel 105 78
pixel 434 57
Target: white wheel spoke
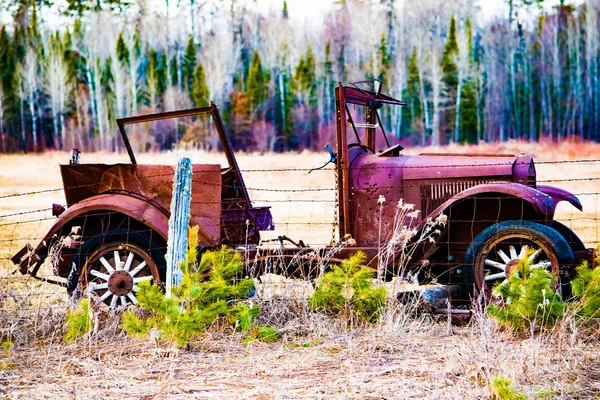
pixel 496 264
pixel 142 278
pixel 504 257
pixel 108 267
pixel 113 302
pixel 117 260
pixel 138 268
pixel 135 288
pixel 123 300
pixel 104 296
pixel 129 261
pixel 495 276
pixel 534 255
pixel 513 253
pixel 504 282
pixel 132 297
pixel 523 252
pixel 543 264
pixel 99 275
pixel 100 286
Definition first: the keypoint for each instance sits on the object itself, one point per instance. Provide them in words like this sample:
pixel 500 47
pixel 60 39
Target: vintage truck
pixel 113 232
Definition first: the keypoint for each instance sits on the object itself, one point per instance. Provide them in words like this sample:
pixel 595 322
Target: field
pixel 316 357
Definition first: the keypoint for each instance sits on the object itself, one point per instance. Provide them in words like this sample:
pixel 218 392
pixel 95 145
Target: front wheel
pixel 112 263
pixel 496 251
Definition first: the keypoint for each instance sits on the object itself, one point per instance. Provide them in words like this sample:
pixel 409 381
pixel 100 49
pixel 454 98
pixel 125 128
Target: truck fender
pixel 542 203
pixel 141 210
pixel 559 195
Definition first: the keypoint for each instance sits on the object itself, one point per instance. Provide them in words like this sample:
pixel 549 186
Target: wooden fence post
pixel 179 222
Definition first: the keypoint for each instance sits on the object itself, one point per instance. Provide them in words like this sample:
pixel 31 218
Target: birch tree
pixel 57 81
pixel 29 81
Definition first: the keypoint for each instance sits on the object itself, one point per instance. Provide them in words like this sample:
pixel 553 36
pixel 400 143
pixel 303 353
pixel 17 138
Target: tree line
pixel 531 75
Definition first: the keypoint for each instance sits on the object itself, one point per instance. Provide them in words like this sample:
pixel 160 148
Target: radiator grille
pixel 435 194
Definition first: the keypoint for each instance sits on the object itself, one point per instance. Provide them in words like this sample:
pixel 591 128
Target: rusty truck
pixel 113 232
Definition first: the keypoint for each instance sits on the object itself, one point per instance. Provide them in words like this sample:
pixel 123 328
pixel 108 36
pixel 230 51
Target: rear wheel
pixel 113 263
pixel 496 251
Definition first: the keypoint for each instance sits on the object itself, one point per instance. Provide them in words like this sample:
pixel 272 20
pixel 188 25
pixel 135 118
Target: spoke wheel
pixel 495 254
pixel 112 265
pixel 499 258
pixel 114 271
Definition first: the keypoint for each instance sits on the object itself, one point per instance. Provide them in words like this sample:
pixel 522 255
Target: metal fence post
pixel 179 222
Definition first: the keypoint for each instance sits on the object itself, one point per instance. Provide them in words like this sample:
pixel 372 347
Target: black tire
pixel 559 253
pixel 151 248
pixel 570 236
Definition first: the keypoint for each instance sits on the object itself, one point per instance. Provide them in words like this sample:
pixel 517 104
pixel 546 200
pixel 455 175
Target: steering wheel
pixel 362 146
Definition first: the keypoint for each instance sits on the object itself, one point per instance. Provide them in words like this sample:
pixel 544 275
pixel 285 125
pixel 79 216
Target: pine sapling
pixel 503 390
pixel 348 290
pixel 528 299
pixel 586 289
pixel 208 291
pixel 78 322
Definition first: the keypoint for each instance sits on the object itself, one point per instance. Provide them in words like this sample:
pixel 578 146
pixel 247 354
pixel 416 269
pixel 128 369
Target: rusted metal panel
pixel 370 178
pixel 139 209
pixel 431 183
pixel 136 189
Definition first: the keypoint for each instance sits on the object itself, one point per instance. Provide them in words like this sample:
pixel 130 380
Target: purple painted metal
pixel 473 190
pixel 432 182
pixel 559 195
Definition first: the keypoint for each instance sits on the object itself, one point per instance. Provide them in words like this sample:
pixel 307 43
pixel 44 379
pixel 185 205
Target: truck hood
pixel 443 166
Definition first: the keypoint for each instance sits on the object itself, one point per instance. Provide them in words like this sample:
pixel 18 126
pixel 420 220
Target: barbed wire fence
pixel 304 210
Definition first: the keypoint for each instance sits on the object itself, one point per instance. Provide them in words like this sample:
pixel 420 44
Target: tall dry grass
pixel 408 354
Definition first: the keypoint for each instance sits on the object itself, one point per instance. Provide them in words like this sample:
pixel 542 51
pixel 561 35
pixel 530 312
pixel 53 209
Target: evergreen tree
pixel 152 79
pixel 189 65
pixel 257 82
pixel 9 107
pixel 161 74
pixel 468 106
pixel 81 7
pixel 200 94
pixel 304 86
pixel 385 62
pixel 449 66
pixel 122 51
pixel 107 82
pixel 137 43
pixel 174 70
pixel 450 79
pixel 8 61
pixel 412 96
pixel 285 10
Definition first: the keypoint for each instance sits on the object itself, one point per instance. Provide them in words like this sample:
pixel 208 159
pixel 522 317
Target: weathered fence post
pixel 179 222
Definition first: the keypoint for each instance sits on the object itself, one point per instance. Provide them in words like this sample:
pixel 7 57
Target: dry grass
pixel 317 356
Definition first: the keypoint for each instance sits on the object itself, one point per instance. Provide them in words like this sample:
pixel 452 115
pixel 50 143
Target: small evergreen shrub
pixel 7 344
pixel 586 289
pixel 208 291
pixel 528 300
pixel 78 321
pixel 348 290
pixel 502 389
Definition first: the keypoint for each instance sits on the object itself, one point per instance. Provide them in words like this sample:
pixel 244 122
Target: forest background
pixel 531 74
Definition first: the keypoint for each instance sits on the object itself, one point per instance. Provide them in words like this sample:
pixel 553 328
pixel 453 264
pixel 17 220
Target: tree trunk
pixel 425 109
pixel 33 118
pixel 458 104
